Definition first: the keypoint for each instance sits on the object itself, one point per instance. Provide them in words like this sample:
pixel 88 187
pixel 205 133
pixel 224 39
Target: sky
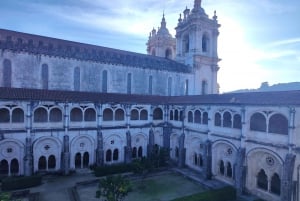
pixel 259 40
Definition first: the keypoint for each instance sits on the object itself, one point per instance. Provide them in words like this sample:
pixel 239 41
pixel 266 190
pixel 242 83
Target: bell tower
pixel 161 43
pixel 196 39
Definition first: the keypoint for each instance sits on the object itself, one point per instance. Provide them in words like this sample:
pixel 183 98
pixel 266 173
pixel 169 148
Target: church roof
pixel 35 44
pixel 288 98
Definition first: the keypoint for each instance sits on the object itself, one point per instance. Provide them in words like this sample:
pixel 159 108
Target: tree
pixel 4 196
pixel 113 188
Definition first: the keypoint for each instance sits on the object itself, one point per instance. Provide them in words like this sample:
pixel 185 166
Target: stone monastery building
pixel 66 105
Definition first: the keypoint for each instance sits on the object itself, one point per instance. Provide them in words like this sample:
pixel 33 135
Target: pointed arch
pixel 262 180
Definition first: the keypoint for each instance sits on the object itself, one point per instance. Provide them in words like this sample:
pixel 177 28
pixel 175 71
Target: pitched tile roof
pixel 288 98
pixel 35 44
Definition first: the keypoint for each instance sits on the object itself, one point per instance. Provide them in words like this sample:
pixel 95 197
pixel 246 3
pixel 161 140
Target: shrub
pixel 13 183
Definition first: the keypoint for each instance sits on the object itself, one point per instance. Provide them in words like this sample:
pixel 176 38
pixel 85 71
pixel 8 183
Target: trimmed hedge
pixel 227 193
pixel 112 169
pixel 13 183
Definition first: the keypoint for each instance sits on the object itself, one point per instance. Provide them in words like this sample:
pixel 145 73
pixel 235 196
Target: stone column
pixel 207 159
pixel 150 142
pixel 66 156
pixel 182 151
pixel 99 150
pixel 28 159
pixel 240 171
pixel 127 148
pixel 287 178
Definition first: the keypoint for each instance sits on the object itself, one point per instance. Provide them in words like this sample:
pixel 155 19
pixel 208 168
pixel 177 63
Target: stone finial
pixel 215 17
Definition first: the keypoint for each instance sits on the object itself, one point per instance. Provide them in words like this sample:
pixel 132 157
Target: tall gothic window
pixel 169 86
pixel 150 85
pixel 45 76
pixel 104 81
pixel 227 122
pixel 275 184
pixel 217 119
pixel 77 79
pixel 205 41
pixel 129 83
pixel 7 73
pixel 262 180
pixel 185 44
pixel 222 167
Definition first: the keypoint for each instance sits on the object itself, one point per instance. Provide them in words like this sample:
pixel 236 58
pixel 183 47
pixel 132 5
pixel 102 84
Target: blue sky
pixel 259 39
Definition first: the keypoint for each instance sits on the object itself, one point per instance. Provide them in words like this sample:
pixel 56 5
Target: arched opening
pixel 107 115
pixel 7 73
pixel 176 116
pixel 119 115
pixel 205 118
pixel 227 122
pixel 258 122
pixel 157 114
pixel 171 115
pixel 134 114
pixel 195 159
pixel 217 119
pixel 275 184
pixel 116 155
pixel 40 115
pixel 229 170
pixel 185 44
pixel 140 152
pixel 3 167
pixel 90 114
pixel 134 152
pixel 108 155
pixel 55 115
pixel 200 160
pixel 168 53
pixel 42 163
pixel 86 159
pixel 197 117
pixel 222 167
pixel 278 124
pixel 4 115
pixel 51 162
pixel 205 43
pixel 78 160
pixel 144 115
pixel 262 180
pixel 14 167
pixel 190 117
pixel 17 115
pixel 76 115
pixel 237 121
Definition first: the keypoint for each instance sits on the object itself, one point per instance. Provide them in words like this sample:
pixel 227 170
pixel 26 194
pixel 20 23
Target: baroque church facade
pixel 67 105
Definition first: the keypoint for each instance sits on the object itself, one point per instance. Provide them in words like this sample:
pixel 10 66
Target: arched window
pixel 168 53
pixel 42 163
pixel 140 152
pixel 190 117
pixel 134 114
pixel 7 73
pixel 150 85
pixel 205 118
pixel 104 81
pixel 14 166
pixel 51 162
pixel 176 152
pixel 198 117
pixel 171 115
pixel 129 83
pixel 205 43
pixel 169 86
pixel 45 76
pixel 76 115
pixel 116 155
pixel 134 152
pixel 90 114
pixel 237 121
pixel 107 115
pixel 144 115
pixel 17 115
pixel 204 87
pixel 4 115
pixel 278 124
pixel 3 167
pixel 200 160
pixel 229 170
pixel 176 116
pixel 227 120
pixel 217 119
pixel 181 115
pixel 86 159
pixel 262 180
pixel 195 159
pixel 119 115
pixel 40 115
pixel 78 160
pixel 222 168
pixel 77 79
pixel 55 115
pixel 258 122
pixel 185 44
pixel 157 114
pixel 108 155
pixel 275 184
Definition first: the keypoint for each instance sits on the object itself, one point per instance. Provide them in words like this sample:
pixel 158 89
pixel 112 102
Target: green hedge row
pixel 13 183
pixel 227 193
pixel 112 169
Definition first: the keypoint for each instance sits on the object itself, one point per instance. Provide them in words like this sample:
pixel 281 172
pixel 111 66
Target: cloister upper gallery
pixel 67 105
